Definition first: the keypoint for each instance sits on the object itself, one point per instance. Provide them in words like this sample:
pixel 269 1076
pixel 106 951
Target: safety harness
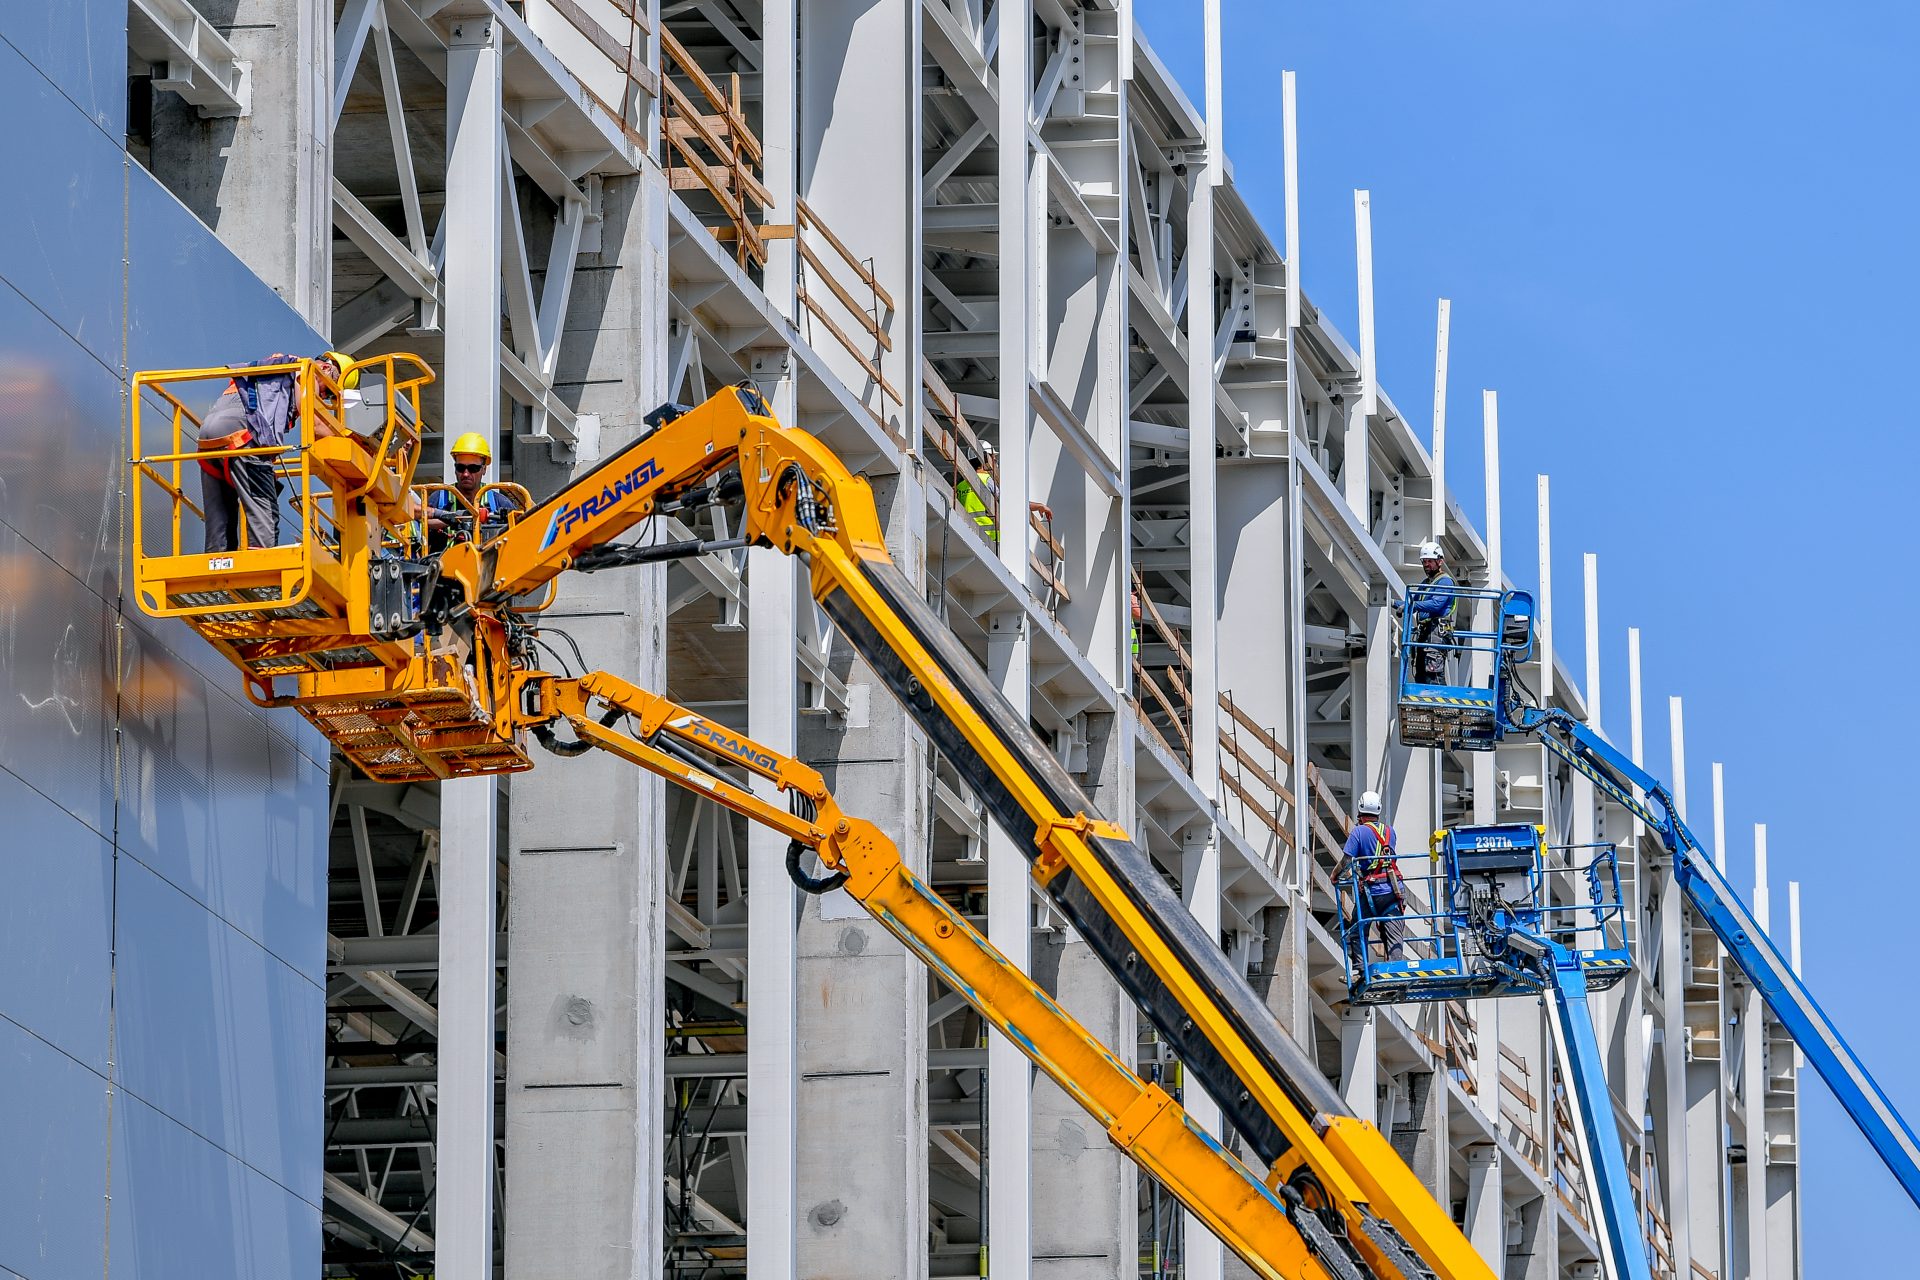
pixel 1378 872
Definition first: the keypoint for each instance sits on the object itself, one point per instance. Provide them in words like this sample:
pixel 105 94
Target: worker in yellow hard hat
pixel 471 455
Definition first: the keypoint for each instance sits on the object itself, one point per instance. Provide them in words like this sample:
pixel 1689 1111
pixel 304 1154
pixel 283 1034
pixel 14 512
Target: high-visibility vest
pixel 1379 865
pixel 974 505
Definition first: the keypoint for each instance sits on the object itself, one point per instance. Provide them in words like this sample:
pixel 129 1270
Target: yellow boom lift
pixel 419 667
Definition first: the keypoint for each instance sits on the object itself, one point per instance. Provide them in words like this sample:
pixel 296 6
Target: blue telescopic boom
pixel 1786 995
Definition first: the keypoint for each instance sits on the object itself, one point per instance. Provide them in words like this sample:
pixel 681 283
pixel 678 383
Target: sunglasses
pixel 469 468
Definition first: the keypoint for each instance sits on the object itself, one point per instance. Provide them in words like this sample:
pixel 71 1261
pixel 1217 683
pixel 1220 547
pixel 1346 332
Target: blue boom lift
pixel 1496 924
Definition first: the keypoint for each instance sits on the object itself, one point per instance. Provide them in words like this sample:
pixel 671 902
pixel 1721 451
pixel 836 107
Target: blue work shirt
pixel 1432 604
pixel 1363 846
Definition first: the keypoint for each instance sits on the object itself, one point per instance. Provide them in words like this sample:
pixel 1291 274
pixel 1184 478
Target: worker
pixel 254 412
pixel 1432 610
pixel 1379 893
pixel 472 455
pixel 980 506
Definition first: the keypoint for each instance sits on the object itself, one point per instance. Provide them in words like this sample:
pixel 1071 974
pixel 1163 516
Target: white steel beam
pixel 773 604
pixel 1009 1134
pixel 1290 162
pixel 189 56
pixel 464 1187
pixel 1546 603
pixel 1200 870
pixel 1590 694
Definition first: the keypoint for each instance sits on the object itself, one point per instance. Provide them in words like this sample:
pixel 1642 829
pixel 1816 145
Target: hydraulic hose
pixel 807 883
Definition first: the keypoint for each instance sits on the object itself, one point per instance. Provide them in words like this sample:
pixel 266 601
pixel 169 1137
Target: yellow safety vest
pixel 974 505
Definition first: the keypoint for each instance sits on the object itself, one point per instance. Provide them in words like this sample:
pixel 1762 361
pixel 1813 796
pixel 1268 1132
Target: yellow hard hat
pixel 349 376
pixel 475 443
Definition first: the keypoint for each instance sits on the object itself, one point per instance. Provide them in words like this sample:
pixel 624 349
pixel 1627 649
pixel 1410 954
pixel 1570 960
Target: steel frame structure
pixel 1070 272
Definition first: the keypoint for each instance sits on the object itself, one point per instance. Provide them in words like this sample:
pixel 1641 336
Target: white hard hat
pixel 986 447
pixel 1369 806
pixel 1431 551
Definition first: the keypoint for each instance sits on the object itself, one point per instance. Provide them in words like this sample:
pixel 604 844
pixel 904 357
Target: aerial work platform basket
pixel 321 620
pixel 1456 671
pixel 1475 925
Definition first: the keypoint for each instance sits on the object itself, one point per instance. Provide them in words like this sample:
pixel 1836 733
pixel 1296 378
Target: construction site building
pixel 261 1016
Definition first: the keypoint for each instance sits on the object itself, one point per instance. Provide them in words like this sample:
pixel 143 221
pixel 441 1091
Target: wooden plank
pixel 1246 722
pixel 1239 753
pixel 1141 676
pixel 859 267
pixel 1518 1092
pixel 873 370
pixel 1058 587
pixel 858 312
pixel 683 60
pixel 1151 727
pixel 947 401
pixel 1259 811
pixel 1519 1063
pixel 1153 613
pixel 1326 797
pixel 596 35
pixel 1045 530
pixel 1334 847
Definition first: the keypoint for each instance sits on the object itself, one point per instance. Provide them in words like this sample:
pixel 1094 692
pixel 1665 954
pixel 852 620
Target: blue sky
pixel 1679 240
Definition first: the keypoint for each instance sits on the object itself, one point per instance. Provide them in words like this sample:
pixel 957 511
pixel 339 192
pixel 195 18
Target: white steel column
pixel 1696 1105
pixel 1009 1136
pixel 772 919
pixel 1753 1041
pixel 1440 338
pixel 1357 471
pixel 469 808
pixel 1485 784
pixel 1546 603
pixel 1591 569
pixel 773 1036
pixel 1200 869
pixel 1296 554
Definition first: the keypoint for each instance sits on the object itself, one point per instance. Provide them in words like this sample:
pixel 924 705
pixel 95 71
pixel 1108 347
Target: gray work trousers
pixel 1386 916
pixel 237 487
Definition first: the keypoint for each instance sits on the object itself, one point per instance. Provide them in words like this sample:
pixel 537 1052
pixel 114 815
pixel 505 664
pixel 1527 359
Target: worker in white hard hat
pixel 1431 604
pixel 1379 893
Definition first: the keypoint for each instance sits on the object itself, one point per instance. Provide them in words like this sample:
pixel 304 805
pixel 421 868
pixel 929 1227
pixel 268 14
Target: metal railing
pixel 1252 764
pixel 1468 656
pixel 1166 710
pixel 707 145
pixel 322 411
pixel 1437 927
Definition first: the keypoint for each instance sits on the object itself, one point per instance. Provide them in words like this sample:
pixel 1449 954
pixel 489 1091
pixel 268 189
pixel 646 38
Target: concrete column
pixel 585 990
pixel 1086 1194
pixel 1486 1218
pixel 264 181
pixel 1533 1250
pixel 1422 1139
pixel 1200 882
pixel 863 997
pixel 1360 1062
pixel 464 1176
